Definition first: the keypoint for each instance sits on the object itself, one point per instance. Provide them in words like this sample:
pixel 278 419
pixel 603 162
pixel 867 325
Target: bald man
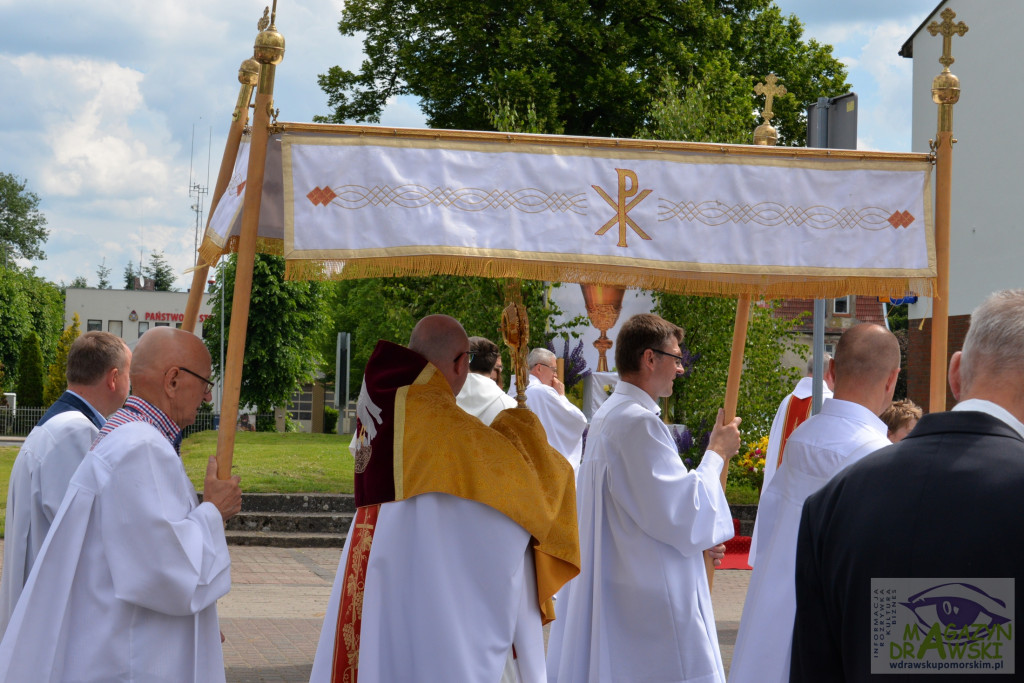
pixel 463 531
pixel 126 585
pixel 865 368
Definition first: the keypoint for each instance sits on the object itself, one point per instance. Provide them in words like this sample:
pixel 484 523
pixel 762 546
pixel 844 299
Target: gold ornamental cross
pixel 770 91
pixel 622 209
pixel 948 29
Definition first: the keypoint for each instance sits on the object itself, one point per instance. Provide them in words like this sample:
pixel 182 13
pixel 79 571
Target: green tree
pixel 22 225
pixel 56 375
pixel 30 372
pixel 130 275
pixel 284 338
pixel 592 68
pixel 27 302
pixel 388 308
pixel 79 282
pixel 160 272
pixel 709 323
pixel 103 275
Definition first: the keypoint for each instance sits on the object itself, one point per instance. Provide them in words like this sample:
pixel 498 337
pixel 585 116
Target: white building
pixel 128 313
pixel 985 223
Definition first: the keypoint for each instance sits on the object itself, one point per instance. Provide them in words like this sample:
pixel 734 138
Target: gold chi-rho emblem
pixel 628 187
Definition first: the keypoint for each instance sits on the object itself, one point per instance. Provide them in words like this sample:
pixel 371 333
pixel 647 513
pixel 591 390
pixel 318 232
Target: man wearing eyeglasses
pixel 126 585
pixel 640 610
pixel 545 396
pixel 463 531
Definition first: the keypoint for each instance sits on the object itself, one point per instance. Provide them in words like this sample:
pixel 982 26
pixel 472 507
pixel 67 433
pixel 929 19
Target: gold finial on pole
pixel 946 86
pixel 268 50
pixel 945 93
pixel 948 29
pixel 515 330
pixel 765 134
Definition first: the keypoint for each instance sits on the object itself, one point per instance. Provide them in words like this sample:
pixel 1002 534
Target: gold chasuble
pixel 412 438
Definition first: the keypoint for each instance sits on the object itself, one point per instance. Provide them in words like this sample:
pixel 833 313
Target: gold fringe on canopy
pixel 714 284
pixel 210 252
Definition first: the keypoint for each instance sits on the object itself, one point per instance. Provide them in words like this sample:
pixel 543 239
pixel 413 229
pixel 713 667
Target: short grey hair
pixel 995 339
pixel 824 363
pixel 539 356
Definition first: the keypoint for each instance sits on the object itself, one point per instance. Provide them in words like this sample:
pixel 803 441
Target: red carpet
pixel 736 550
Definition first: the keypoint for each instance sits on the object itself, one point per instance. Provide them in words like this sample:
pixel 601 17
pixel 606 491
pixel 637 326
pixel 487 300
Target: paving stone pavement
pixel 271 618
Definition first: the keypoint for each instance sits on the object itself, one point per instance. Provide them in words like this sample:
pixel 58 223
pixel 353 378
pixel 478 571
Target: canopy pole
pixel 268 51
pixel 248 76
pixel 515 330
pixel 945 93
pixel 732 392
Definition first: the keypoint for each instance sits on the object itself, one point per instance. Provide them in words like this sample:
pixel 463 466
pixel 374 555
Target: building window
pixel 94 326
pixel 841 306
pixel 143 327
pixel 115 327
pixel 177 325
pixel 162 324
pixel 830 349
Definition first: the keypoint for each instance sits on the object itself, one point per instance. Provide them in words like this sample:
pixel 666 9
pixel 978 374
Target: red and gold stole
pixel 798 410
pixel 412 438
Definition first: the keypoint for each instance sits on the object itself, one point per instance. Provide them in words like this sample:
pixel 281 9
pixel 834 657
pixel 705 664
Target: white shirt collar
pixel 994 409
pixel 639 395
pixel 102 419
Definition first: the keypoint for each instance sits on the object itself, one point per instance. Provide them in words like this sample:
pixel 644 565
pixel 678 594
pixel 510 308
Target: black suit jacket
pixel 68 402
pixel 946 502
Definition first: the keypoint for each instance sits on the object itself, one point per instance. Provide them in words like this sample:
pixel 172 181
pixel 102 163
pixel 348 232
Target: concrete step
pixel 292 522
pixel 286 539
pixel 298 502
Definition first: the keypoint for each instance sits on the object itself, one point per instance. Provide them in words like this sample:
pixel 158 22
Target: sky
pixel 113 110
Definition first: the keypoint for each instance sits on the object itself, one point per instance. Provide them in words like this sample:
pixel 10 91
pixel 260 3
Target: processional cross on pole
pixel 765 134
pixel 770 91
pixel 948 29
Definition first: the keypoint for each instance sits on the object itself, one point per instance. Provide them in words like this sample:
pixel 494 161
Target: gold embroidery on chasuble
pixel 508 466
pixel 345 666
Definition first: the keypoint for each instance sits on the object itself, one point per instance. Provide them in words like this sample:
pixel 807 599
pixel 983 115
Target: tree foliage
pixel 56 375
pixel 22 225
pixel 103 275
pixel 591 68
pixel 160 272
pixel 709 324
pixel 284 338
pixel 130 275
pixel 78 282
pixel 27 303
pixel 388 308
pixel 30 372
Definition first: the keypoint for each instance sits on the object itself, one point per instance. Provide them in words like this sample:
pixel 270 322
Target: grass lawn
pixel 7 455
pixel 277 463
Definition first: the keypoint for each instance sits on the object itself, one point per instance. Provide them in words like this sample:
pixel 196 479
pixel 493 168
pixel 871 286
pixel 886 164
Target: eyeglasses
pixel 679 359
pixel 552 368
pixel 470 354
pixel 196 374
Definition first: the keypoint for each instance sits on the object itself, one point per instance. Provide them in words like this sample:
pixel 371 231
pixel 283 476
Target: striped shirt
pixel 137 410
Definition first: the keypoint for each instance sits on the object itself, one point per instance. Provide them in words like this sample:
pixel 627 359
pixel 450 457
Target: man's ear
pixel 110 380
pixel 954 375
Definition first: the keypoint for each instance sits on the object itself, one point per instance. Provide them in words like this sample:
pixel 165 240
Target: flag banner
pixel 357 201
